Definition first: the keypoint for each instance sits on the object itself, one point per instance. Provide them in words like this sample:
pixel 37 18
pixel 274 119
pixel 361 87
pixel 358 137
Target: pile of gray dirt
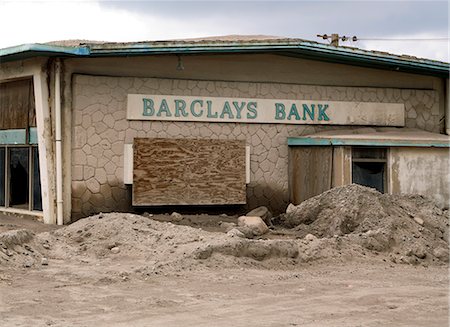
pixel 156 246
pixel 18 248
pixel 346 223
pixel 408 228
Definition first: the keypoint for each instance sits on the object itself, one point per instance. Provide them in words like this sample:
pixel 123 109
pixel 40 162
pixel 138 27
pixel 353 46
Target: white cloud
pixel 422 46
pixel 44 21
pixel 37 22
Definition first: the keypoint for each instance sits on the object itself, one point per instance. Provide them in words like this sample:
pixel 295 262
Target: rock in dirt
pixel 28 263
pixel 442 254
pixel 115 250
pixel 227 226
pixel 44 261
pixel 290 208
pixel 310 237
pixel 418 220
pixel 175 216
pixel 235 233
pixel 263 213
pixel 419 251
pixel 247 231
pixel 255 224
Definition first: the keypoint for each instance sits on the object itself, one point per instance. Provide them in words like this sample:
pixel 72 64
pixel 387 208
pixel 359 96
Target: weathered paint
pixel 241 75
pixel 310 172
pixel 342 165
pixel 24 51
pixel 291 47
pixel 100 130
pixel 309 141
pixel 424 171
pixel 45 145
pixel 254 110
pixel 36 68
pixel 266 68
pixel 32 136
pixel 13 136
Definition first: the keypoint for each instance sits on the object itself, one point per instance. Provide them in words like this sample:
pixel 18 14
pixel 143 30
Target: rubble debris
pixel 263 213
pixel 235 233
pixel 255 224
pixel 377 222
pixel 175 216
pixel 343 224
pixel 115 250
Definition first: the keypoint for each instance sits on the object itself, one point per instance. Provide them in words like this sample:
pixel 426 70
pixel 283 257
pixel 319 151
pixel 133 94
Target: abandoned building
pixel 88 127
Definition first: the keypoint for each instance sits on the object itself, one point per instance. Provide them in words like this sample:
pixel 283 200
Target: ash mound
pixel 160 246
pixel 18 248
pixel 340 225
pixel 410 228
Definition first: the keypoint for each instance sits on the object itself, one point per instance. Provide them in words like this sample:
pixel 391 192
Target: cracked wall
pixel 100 130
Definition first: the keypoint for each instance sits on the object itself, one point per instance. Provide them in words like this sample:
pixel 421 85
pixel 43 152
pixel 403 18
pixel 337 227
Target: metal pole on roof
pixel 335 40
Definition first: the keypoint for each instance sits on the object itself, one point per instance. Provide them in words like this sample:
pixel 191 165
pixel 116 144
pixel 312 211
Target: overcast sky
pixel 42 21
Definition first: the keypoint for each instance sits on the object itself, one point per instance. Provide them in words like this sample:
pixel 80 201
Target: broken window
pixel 20 185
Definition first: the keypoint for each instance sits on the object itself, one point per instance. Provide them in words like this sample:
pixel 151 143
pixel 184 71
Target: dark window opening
pixel 370 174
pixel 2 176
pixel 37 198
pixel 369 167
pixel 19 178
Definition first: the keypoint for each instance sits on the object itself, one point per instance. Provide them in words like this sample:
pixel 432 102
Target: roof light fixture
pixel 180 65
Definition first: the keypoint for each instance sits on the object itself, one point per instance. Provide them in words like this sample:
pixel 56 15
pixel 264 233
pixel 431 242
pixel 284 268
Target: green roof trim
pixel 308 141
pixel 25 51
pixel 288 47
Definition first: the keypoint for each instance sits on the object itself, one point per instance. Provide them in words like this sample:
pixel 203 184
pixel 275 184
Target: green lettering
pixel 226 110
pixel 309 112
pixel 251 108
pixel 164 107
pixel 294 112
pixel 279 111
pixel 180 108
pixel 322 113
pixel 210 114
pixel 149 110
pixel 238 108
pixel 194 113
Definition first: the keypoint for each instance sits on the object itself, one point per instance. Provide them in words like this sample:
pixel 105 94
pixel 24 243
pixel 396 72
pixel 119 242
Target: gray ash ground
pixel 344 224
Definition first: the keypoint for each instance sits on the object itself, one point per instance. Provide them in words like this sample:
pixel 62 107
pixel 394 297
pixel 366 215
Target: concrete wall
pixel 264 68
pixel 39 70
pixel 100 130
pixel 424 171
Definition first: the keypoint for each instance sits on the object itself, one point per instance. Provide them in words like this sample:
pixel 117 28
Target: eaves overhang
pixel 26 51
pixel 300 49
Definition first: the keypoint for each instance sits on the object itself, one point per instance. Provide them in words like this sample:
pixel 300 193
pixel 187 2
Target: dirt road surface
pixel 112 292
pixel 355 294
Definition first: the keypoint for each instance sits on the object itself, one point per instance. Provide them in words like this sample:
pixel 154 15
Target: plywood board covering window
pixel 183 172
pixel 17 105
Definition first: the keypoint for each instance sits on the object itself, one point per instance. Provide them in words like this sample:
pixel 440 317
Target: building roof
pixel 231 44
pixel 380 136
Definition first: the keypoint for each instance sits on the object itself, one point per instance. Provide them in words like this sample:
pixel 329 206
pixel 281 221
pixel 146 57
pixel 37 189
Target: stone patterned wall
pixel 100 130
